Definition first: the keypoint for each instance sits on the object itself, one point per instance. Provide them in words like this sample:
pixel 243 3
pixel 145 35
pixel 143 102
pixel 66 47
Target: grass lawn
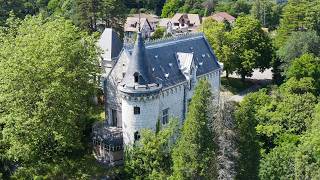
pixel 234 85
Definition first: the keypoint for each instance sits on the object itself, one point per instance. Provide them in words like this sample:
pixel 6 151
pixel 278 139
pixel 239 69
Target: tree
pixel 279 163
pixel 171 7
pixel 248 144
pixel 307 160
pixel 267 12
pixel 20 8
pixel 301 86
pixel 201 7
pixel 46 77
pixel 113 14
pixel 269 125
pixel 216 34
pixel 251 46
pixel 150 157
pixel 158 33
pixel 299 43
pixel 87 14
pixel 194 156
pixel 298 15
pixel 235 8
pixel 306 66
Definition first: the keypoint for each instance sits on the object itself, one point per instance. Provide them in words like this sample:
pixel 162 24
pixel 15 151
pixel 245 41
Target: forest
pixel 48 58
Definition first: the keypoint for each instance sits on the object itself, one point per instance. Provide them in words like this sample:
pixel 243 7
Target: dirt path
pixel 259 80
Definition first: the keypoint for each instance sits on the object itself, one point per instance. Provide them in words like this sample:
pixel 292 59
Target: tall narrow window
pixel 136 136
pixel 136 77
pixel 165 116
pixel 136 110
pixel 114 117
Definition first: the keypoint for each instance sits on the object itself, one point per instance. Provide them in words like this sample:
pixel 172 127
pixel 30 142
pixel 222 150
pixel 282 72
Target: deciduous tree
pixel 46 85
pixel 251 45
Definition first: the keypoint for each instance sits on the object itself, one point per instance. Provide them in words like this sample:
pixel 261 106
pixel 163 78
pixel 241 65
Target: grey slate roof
pixel 161 57
pixel 140 65
pixel 110 44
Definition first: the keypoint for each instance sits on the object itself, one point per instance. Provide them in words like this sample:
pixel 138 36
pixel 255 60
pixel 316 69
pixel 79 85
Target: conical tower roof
pixel 138 77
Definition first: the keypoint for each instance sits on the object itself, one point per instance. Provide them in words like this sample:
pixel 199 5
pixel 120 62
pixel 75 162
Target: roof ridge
pixel 167 39
pixel 177 37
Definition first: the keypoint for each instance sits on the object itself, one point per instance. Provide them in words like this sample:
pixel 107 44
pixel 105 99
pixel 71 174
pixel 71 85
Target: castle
pixel 154 81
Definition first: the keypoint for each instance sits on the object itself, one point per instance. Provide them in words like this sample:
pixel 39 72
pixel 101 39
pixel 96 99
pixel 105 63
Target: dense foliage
pixel 235 8
pixel 242 48
pixel 151 157
pixel 46 77
pixel 267 12
pixel 298 15
pixel 281 121
pixel 201 7
pixel 194 155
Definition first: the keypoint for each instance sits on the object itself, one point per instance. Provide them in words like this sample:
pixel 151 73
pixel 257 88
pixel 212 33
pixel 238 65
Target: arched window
pixel 136 77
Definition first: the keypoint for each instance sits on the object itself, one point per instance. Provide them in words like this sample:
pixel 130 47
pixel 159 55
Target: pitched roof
pixel 162 58
pixel 164 21
pixel 140 68
pixel 132 24
pixel 194 18
pixel 221 16
pixel 151 17
pixel 110 44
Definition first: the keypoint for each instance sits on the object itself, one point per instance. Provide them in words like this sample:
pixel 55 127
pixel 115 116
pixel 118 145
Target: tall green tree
pixel 46 86
pixel 113 13
pixel 216 33
pixel 251 45
pixel 298 15
pixel 268 12
pixel 248 144
pixel 194 155
pixel 88 14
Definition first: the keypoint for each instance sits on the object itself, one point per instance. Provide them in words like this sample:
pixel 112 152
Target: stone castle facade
pixel 155 81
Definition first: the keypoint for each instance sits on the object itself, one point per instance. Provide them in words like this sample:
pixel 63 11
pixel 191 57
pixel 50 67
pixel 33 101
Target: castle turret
pixel 140 94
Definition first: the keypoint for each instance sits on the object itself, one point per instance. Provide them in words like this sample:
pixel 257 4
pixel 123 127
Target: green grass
pixel 234 85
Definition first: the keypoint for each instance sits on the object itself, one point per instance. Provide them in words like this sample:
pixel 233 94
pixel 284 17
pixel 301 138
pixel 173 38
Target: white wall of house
pixel 147 118
pixel 173 100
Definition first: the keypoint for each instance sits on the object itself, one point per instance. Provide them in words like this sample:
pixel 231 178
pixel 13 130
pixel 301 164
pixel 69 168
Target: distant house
pixel 152 19
pixel 186 22
pixel 222 17
pixel 131 27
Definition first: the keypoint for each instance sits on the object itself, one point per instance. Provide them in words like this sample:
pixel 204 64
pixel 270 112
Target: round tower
pixel 140 95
